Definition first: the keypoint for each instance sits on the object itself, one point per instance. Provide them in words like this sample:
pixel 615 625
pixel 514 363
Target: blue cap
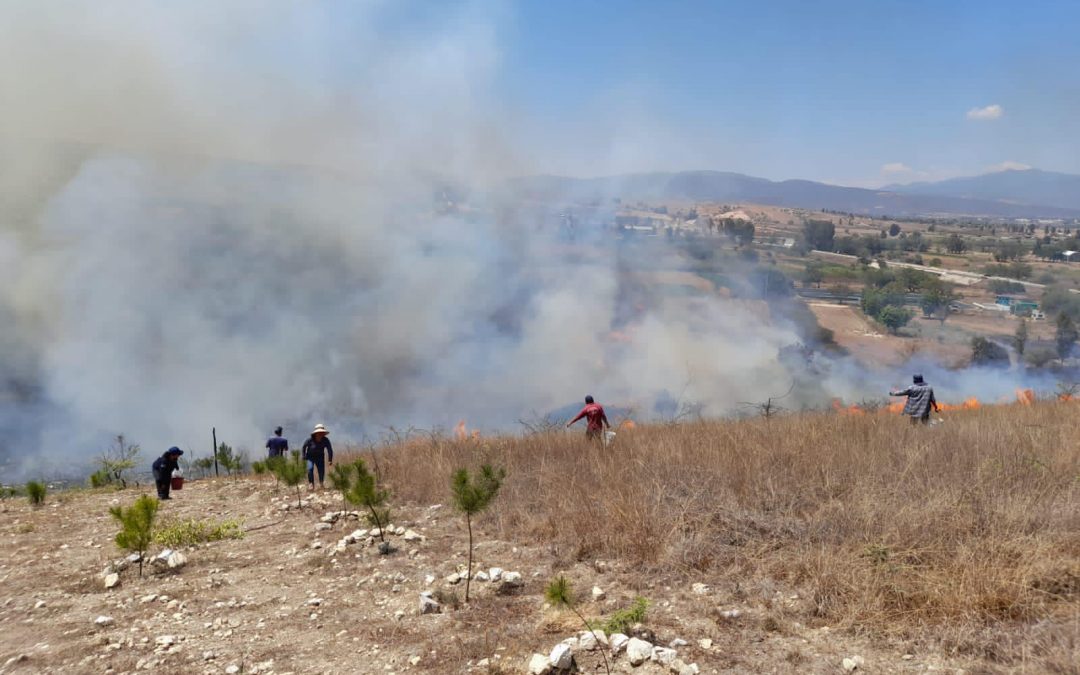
pixel 174 451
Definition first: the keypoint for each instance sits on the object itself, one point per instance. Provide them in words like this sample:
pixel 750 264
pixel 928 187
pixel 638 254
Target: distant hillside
pixel 1029 186
pixel 734 187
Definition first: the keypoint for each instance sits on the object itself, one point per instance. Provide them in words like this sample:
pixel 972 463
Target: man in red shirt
pixel 594 413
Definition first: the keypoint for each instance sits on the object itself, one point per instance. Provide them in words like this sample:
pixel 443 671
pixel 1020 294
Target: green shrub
pixel 621 620
pixel 471 496
pixel 136 526
pixel 560 593
pixel 365 491
pixel 259 468
pixel 192 531
pixel 291 472
pixel 9 492
pixel 99 479
pixel 35 492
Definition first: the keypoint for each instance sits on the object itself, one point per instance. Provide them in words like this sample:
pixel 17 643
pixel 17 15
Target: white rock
pixel 852 664
pixel 39 604
pixel 684 669
pixel 329 518
pixel 677 642
pixel 112 580
pixel 359 534
pixel 453 579
pixel 375 532
pixel 399 530
pixel 495 573
pixel 731 613
pixel 409 535
pixel 512 579
pixel 618 642
pixel 429 579
pixel 314 602
pixel 232 669
pixel 316 544
pixel 638 651
pixel 596 638
pixel 176 560
pixel 598 593
pixel 165 640
pixel 699 589
pixel 429 605
pixel 539 665
pixel 103 620
pixel 561 657
pixel 321 527
pixel 208 656
pixel 705 643
pixel 480 576
pixel 664 656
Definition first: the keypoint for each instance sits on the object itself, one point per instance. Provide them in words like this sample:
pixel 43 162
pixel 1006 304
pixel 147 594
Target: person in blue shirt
pixel 277 446
pixel 318 452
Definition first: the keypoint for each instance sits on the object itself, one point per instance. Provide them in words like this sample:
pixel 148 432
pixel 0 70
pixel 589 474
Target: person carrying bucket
pixel 318 452
pixel 595 417
pixel 163 468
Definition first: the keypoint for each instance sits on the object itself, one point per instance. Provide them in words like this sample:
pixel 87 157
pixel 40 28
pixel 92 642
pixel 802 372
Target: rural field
pixel 810 543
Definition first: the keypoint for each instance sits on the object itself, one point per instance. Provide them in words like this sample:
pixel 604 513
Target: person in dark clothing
pixel 595 418
pixel 277 446
pixel 920 400
pixel 163 467
pixel 318 452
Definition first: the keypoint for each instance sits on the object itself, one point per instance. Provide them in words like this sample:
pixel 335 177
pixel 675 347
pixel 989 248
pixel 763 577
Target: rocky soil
pixel 307 591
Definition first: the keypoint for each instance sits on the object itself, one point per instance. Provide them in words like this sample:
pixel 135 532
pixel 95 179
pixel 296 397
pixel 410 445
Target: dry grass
pixel 967 534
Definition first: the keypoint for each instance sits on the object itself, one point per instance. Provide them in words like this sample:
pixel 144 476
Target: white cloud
pixel 1008 165
pixel 990 112
pixel 896 168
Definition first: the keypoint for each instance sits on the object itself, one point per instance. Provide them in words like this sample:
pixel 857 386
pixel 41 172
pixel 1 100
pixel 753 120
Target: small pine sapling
pixel 341 480
pixel 366 492
pixel 292 473
pixel 560 593
pixel 35 492
pixel 473 495
pixel 136 526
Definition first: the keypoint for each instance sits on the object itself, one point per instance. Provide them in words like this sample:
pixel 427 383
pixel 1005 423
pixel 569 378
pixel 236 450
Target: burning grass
pixel 962 533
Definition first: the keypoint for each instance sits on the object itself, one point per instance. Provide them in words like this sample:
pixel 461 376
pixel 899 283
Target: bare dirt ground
pixel 283 600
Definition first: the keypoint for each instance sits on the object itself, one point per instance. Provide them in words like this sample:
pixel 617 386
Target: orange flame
pixel 627 424
pixel 461 433
pixel 1025 396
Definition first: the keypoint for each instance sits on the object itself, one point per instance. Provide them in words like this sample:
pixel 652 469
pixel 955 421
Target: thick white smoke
pixel 237 215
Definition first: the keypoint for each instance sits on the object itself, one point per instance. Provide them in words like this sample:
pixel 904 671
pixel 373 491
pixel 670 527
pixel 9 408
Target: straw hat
pixel 320 429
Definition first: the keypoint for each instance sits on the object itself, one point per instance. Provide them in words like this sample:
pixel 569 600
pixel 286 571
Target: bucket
pixel 609 437
pixel 177 482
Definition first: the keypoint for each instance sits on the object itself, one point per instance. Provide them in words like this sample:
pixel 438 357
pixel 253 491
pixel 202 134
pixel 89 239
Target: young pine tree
pixel 560 593
pixel 341 480
pixel 471 496
pixel 136 526
pixel 366 492
pixel 291 472
pixel 35 492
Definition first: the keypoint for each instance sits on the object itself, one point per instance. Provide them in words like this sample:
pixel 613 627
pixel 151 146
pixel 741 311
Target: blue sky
pixel 857 92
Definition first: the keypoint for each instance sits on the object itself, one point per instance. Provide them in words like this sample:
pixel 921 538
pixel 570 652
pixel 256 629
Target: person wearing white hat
pixel 317 452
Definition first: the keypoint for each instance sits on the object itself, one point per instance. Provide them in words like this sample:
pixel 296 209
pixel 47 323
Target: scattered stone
pixel 539 665
pixel 399 530
pixel 40 604
pixel 316 544
pixel 705 643
pixel 429 605
pixel 512 580
pixel 233 669
pixel 677 642
pixel 562 657
pixel 683 668
pixel 852 664
pixel 453 579
pixel 591 640
pixel 112 580
pixel 598 594
pixel 429 579
pixel 638 651
pixel 409 535
pixel 175 560
pixel 907 657
pixel 495 573
pixel 414 660
pixel 314 602
pixel 699 589
pixel 330 517
pixel 480 576
pixel 13 660
pixel 618 642
pixel 664 656
pixel 209 656
pixel 165 640
pixel 103 620
pixel 323 526
pixel 731 613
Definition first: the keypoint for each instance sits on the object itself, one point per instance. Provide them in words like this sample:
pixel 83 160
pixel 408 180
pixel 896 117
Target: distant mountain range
pixel 1027 186
pixel 980 197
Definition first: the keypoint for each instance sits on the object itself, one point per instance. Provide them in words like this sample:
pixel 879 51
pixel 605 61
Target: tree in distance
pixel 366 492
pixel 136 526
pixel 115 462
pixel 471 496
pixel 560 593
pixel 341 480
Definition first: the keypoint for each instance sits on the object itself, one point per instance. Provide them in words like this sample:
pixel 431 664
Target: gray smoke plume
pixel 249 213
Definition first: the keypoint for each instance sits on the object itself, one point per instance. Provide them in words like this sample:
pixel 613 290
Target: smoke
pixel 244 214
